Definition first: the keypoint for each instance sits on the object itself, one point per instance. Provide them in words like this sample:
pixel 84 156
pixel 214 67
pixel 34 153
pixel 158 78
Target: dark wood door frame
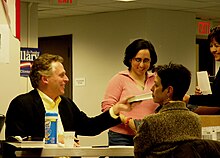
pixel 61 45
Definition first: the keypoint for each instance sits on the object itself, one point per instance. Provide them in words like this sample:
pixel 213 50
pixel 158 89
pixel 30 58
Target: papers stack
pixel 203 82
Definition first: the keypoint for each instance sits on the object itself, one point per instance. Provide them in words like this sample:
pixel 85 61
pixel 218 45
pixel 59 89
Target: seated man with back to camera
pixel 174 123
pixel 26 113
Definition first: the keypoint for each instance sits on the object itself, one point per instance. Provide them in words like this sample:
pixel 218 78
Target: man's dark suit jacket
pixel 211 99
pixel 26 117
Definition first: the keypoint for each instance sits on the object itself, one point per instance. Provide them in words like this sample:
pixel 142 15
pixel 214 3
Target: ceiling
pixel 204 9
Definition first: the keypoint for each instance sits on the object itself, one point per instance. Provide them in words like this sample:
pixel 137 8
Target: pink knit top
pixel 121 86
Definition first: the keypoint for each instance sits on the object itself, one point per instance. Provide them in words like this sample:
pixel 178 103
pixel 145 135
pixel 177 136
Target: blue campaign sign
pixel 27 56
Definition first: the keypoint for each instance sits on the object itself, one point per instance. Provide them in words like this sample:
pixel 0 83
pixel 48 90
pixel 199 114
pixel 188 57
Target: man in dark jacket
pixel 26 112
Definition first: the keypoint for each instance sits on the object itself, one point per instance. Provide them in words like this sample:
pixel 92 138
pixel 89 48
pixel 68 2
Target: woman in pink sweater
pixel 140 57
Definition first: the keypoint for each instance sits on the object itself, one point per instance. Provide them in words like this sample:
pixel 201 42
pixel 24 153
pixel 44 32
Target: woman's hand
pixel 198 91
pixel 186 98
pixel 128 121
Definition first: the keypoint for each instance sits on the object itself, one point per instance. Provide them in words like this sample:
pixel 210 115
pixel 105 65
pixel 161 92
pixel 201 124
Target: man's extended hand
pixel 122 105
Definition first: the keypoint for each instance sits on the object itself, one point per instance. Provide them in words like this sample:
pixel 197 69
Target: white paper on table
pixel 203 82
pixel 211 132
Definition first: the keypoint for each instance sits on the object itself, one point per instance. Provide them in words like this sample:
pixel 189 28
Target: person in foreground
pixel 174 123
pixel 214 98
pixel 140 57
pixel 26 113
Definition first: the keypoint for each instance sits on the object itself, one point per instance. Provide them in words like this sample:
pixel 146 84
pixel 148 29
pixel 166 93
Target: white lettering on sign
pixel 29 55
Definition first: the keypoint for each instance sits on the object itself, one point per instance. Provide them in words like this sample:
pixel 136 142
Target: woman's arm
pixel 113 93
pixel 132 123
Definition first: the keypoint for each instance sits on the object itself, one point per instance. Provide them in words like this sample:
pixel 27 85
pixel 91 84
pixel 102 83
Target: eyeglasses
pixel 139 60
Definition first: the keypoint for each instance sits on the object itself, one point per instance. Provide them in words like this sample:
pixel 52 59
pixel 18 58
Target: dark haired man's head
pixel 175 75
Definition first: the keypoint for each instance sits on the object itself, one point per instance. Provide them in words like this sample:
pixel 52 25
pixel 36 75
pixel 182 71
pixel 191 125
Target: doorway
pixel 60 45
pixel 205 58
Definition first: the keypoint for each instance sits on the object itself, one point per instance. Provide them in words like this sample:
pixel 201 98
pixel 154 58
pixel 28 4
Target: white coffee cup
pixel 69 138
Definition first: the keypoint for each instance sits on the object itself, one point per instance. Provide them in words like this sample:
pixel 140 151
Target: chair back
pixel 204 110
pixel 198 149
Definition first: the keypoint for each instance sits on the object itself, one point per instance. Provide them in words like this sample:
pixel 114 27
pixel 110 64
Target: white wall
pixel 99 42
pixel 11 82
pixel 29 35
pixel 10 71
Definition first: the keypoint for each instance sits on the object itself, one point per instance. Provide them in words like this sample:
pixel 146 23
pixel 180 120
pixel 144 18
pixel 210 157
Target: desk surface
pixel 76 151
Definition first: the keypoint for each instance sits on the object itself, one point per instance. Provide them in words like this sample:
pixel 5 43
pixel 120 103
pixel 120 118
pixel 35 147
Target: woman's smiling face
pixel 141 62
pixel 215 49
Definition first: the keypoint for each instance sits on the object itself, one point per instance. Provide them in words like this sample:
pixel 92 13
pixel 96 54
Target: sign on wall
pixel 27 56
pixel 63 2
pixel 203 27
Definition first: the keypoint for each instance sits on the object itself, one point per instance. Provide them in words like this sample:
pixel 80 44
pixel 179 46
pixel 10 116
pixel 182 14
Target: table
pixel 84 151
